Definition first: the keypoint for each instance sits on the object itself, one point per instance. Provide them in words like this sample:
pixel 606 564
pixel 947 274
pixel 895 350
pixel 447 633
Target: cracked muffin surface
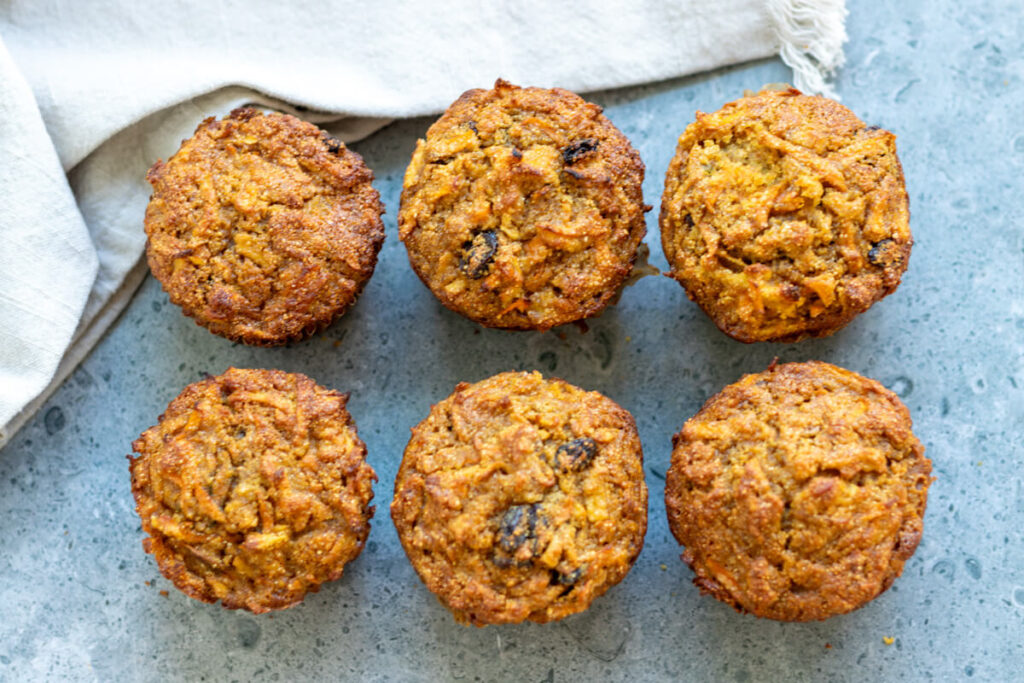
pixel 262 228
pixel 521 498
pixel 784 216
pixel 522 208
pixel 798 492
pixel 253 489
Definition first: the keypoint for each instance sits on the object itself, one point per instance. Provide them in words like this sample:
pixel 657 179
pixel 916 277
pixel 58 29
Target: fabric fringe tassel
pixel 811 34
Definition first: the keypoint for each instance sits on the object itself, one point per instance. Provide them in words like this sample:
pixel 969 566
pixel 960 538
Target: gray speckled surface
pixel 79 599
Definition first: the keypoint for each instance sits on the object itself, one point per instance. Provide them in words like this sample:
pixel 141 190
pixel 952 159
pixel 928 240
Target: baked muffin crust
pixel 521 498
pixel 262 228
pixel 253 489
pixel 784 216
pixel 798 492
pixel 522 208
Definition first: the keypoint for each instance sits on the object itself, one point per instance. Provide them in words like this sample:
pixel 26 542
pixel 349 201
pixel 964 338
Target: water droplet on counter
pixel 601 631
pixel 54 420
pixel 249 634
pixel 1018 144
pixel 902 386
pixel 973 568
pixel 945 569
pixel 548 360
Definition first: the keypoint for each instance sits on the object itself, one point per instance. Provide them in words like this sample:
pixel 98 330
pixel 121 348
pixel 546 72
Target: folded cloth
pixel 92 93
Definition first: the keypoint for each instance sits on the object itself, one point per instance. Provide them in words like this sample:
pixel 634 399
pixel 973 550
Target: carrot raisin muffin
pixel 523 209
pixel 521 498
pixel 262 228
pixel 798 492
pixel 784 216
pixel 253 489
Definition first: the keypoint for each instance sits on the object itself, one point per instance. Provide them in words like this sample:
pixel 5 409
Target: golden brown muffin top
pixel 262 228
pixel 253 488
pixel 798 492
pixel 521 498
pixel 784 216
pixel 523 209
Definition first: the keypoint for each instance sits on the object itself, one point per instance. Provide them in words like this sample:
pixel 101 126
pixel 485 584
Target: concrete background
pixel 79 599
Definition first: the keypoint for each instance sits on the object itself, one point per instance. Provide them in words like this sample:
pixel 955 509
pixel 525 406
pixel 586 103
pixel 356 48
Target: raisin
pixel 874 128
pixel 575 455
pixel 516 153
pixel 567 578
pixel 688 219
pixel 334 145
pixel 578 150
pixel 790 292
pixel 518 528
pixel 472 126
pixel 479 253
pixel 882 253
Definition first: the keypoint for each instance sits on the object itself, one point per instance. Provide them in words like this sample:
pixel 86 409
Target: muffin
pixel 522 209
pixel 253 489
pixel 521 498
pixel 798 492
pixel 784 216
pixel 262 228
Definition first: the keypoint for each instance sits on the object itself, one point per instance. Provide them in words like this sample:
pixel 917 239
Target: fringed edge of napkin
pixel 811 34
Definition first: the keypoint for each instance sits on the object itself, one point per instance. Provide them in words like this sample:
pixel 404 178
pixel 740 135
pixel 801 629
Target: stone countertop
pixel 79 599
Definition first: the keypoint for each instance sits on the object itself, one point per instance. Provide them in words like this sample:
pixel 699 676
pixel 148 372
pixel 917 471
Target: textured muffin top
pixel 521 498
pixel 253 488
pixel 784 216
pixel 798 492
pixel 523 209
pixel 262 228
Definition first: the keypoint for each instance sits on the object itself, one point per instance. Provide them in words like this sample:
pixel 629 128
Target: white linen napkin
pixel 92 93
